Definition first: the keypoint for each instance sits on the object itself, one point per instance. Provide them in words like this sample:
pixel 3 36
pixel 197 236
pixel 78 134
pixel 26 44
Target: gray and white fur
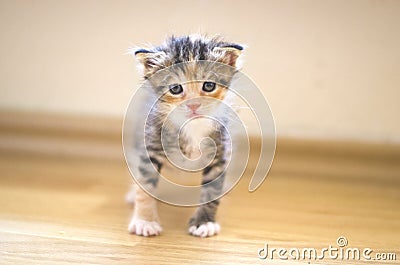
pixel 189 100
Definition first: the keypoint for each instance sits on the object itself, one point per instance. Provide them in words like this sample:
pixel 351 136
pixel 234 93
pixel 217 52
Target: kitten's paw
pixel 205 230
pixel 144 228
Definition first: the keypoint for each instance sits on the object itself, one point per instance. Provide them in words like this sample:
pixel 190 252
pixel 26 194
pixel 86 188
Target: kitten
pixel 188 100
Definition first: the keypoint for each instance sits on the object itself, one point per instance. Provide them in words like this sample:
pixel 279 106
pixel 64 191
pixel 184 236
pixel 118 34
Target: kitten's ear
pixel 228 54
pixel 150 61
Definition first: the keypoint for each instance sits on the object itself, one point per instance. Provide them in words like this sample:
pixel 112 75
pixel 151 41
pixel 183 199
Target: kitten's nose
pixel 193 106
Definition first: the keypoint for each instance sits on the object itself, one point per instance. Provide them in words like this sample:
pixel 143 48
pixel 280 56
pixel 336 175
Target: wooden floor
pixel 57 209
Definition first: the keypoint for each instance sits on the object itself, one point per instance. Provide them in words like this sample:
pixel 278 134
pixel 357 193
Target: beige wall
pixel 329 69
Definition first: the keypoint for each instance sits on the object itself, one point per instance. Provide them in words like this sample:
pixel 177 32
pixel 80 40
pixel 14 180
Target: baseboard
pixel 60 135
pixel 100 138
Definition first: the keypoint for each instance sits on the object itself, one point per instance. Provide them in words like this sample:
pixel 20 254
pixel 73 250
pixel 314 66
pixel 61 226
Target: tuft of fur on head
pixel 186 49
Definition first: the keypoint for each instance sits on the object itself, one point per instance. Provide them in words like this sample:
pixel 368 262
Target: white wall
pixel 329 69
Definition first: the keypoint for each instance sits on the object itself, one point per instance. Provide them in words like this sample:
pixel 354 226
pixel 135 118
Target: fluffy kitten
pixel 189 100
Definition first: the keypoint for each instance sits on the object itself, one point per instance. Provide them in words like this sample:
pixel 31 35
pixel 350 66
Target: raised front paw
pixel 144 228
pixel 205 230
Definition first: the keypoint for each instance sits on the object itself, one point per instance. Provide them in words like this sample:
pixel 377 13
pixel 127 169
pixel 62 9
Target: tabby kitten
pixel 189 100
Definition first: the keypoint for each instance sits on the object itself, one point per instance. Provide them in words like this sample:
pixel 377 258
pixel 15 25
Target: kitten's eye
pixel 209 86
pixel 175 89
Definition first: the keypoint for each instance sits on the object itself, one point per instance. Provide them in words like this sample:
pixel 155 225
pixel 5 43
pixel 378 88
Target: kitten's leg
pixel 145 220
pixel 130 196
pixel 203 222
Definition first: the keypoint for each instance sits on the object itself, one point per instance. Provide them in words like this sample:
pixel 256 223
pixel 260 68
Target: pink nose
pixel 193 106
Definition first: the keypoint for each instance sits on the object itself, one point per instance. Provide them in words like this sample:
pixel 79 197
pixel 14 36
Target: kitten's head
pixel 191 80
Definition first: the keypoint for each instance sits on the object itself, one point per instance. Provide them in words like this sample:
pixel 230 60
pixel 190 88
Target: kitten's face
pixel 192 90
pixel 192 100
pixel 188 72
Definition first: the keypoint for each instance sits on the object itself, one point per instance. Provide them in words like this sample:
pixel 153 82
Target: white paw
pixel 144 228
pixel 204 230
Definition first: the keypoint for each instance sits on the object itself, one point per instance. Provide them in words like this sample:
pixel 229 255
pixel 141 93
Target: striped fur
pixel 177 50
